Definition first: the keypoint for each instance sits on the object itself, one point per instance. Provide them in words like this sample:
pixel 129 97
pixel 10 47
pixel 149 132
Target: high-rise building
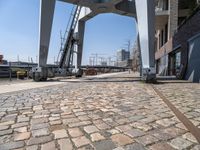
pixel 123 55
pixel 123 58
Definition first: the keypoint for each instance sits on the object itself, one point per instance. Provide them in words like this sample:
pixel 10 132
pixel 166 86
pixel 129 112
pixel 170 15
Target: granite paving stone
pixel 90 129
pixel 75 132
pixel 161 146
pixel 65 144
pixel 96 137
pixel 40 132
pixel 121 139
pixel 147 139
pixel 58 134
pixel 22 136
pixel 116 112
pixel 81 141
pixel 180 143
pixel 11 145
pixel 39 140
pixel 48 146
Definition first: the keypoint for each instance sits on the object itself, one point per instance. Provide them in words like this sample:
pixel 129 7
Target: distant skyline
pixel 19 23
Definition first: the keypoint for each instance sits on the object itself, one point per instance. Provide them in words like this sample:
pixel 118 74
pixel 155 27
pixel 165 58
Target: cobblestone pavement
pixel 118 113
pixel 186 97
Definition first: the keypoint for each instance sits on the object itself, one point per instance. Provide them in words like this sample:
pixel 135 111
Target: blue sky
pixel 19 23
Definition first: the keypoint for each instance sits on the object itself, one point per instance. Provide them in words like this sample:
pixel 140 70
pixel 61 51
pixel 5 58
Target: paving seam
pixel 195 131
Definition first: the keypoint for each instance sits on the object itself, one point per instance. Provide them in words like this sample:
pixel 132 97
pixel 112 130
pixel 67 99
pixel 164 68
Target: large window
pixel 166 5
pixel 178 60
pixel 175 63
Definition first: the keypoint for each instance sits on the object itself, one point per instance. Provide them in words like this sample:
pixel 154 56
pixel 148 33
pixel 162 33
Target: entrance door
pixel 175 62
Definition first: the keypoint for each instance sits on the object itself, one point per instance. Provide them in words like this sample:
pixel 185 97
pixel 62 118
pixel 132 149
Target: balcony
pixel 161 11
pixel 162 16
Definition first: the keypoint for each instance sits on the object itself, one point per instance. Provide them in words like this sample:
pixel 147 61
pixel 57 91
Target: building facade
pixel 123 55
pixel 177 22
pixel 123 58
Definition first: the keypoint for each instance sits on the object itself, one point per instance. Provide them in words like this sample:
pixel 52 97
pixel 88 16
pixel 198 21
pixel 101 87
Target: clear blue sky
pixel 19 22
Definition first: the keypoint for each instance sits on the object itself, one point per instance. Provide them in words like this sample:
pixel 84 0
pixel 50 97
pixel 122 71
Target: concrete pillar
pixel 85 15
pixel 146 28
pixel 173 17
pixel 46 20
pixel 81 30
pixel 41 73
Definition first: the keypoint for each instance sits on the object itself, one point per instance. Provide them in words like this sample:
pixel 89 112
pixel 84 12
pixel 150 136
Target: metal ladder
pixel 67 51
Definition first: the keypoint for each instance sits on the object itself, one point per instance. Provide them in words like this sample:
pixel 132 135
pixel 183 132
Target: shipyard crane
pixel 142 10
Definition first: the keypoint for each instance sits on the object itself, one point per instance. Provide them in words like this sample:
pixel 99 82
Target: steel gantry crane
pixel 142 10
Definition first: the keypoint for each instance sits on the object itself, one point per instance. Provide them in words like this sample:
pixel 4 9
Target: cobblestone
pixel 3 127
pixel 34 147
pixel 11 145
pixel 65 144
pixel 81 141
pixel 96 137
pixel 40 132
pixel 39 140
pixel 22 136
pixel 185 98
pixel 75 132
pixel 48 146
pixel 121 139
pixel 180 143
pixel 161 146
pixel 22 129
pixel 166 122
pixel 134 133
pixel 7 123
pixel 90 129
pixel 60 134
pixel 190 137
pixel 147 139
pixel 6 132
pixel 116 112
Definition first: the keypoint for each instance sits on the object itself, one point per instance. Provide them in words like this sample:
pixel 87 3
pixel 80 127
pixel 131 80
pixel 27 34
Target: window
pixel 166 33
pixel 162 38
pixel 178 60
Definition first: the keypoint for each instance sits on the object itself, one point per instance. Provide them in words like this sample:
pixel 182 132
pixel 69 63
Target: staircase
pixel 67 52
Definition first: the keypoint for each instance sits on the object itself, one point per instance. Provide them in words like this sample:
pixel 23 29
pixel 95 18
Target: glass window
pixel 178 61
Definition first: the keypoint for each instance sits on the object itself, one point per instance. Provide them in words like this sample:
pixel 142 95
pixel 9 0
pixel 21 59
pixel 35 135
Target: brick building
pixel 177 30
